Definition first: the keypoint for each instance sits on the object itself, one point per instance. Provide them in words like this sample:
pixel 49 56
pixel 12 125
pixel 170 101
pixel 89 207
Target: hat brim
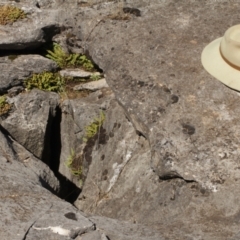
pixel 214 64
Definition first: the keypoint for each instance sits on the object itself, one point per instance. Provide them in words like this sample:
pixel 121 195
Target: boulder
pixel 96 235
pixel 61 219
pixel 92 86
pixel 23 199
pixel 31 122
pixel 30 211
pixel 76 73
pixel 120 230
pixel 31 32
pixel 28 208
pixel 14 69
pixel 77 114
pixel 111 156
pixel 185 177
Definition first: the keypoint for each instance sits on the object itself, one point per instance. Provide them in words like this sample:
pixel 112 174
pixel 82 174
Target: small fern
pixel 46 81
pixel 92 129
pixel 86 63
pixel 69 60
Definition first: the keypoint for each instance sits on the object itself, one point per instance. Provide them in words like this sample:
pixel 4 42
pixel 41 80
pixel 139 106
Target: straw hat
pixel 221 58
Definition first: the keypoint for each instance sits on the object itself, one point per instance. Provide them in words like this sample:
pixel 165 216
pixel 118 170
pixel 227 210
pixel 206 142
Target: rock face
pixel 77 115
pixel 189 119
pixel 30 211
pixel 31 121
pixel 166 156
pixel 31 32
pixel 92 86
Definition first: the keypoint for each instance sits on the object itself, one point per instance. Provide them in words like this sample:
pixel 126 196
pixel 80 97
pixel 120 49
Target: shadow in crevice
pixel 68 190
pixel 51 156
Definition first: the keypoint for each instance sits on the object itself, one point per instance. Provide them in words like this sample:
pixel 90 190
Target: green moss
pixel 4 105
pixel 47 81
pixel 10 14
pixel 65 60
pixel 95 77
pixel 92 129
pixel 71 162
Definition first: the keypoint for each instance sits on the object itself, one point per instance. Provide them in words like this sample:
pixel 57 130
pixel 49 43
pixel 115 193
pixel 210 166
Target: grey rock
pixel 28 209
pixel 75 73
pixel 172 163
pixel 35 63
pixel 120 230
pixel 43 4
pixel 186 172
pixel 92 86
pixel 23 199
pixel 117 143
pixel 77 115
pixel 31 122
pixel 15 91
pixel 236 237
pixel 14 72
pixel 46 177
pixel 95 235
pixel 68 223
pixel 31 32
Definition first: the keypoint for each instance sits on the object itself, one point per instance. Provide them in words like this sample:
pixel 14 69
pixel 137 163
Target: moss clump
pixel 47 81
pixel 95 77
pixel 92 129
pixel 10 14
pixel 4 106
pixel 65 60
pixel 75 169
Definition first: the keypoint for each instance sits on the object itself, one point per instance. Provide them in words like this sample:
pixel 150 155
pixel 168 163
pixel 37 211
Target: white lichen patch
pixel 117 169
pixel 58 229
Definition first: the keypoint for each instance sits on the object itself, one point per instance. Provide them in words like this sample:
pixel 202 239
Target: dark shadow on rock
pixel 68 190
pixel 51 156
pixel 55 144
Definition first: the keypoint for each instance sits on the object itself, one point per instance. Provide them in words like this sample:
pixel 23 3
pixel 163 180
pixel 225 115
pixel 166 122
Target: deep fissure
pixel 52 151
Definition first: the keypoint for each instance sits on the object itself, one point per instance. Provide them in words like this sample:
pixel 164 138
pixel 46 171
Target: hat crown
pixel 230 45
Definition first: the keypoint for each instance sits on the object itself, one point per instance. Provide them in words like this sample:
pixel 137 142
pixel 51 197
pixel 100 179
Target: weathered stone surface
pixel 77 115
pixel 92 86
pixel 14 69
pixel 67 222
pixel 111 155
pixel 178 174
pixel 30 123
pixel 35 63
pixel 189 119
pixel 46 177
pixel 119 230
pixel 29 211
pixel 31 32
pixel 79 73
pixel 14 91
pixel 96 235
pixel 22 200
